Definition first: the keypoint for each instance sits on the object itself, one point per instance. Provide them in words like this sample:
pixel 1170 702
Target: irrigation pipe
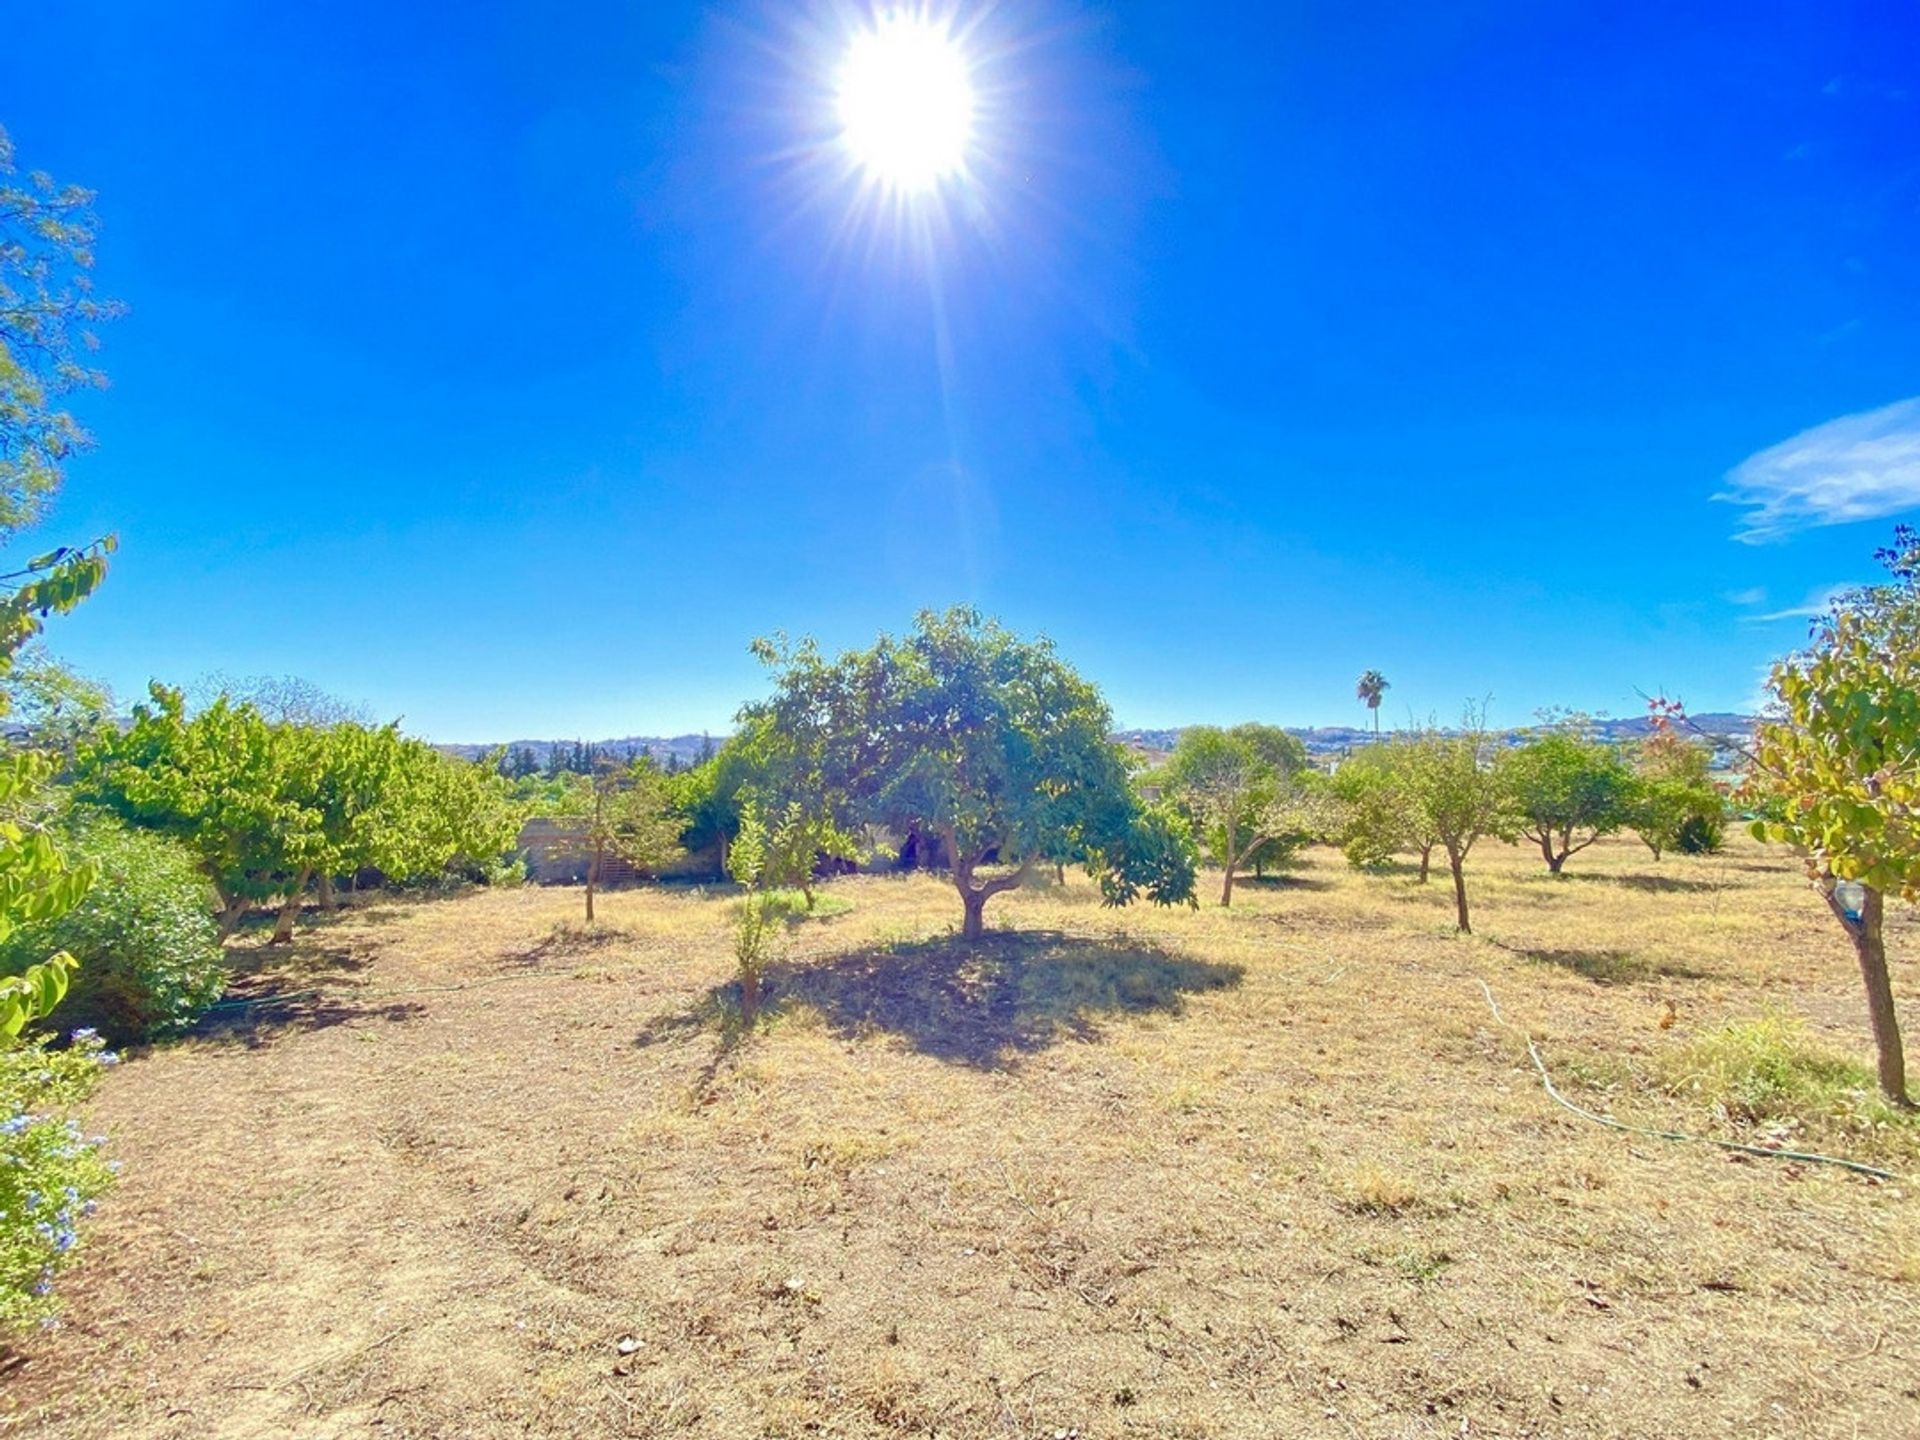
pixel 1533 1052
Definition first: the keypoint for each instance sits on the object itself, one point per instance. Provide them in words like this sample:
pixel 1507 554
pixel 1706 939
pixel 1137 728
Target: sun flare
pixel 905 101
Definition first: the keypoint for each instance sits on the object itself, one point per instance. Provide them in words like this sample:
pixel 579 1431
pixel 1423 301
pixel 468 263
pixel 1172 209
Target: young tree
pixel 1566 791
pixel 964 731
pixel 1674 804
pixel 1379 818
pixel 623 810
pixel 1456 791
pixel 1370 690
pixel 1836 774
pixel 1242 790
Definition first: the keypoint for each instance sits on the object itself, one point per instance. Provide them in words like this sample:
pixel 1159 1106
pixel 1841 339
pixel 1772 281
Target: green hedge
pixel 149 952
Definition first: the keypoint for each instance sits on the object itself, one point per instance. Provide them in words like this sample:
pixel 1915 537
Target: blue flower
pixel 84 1034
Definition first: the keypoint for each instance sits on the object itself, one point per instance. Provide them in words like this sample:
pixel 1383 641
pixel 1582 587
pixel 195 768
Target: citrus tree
pixel 1836 774
pixel 1456 792
pixel 1566 791
pixel 963 731
pixel 1243 791
pixel 1379 819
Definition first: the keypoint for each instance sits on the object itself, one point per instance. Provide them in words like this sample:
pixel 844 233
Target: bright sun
pixel 906 103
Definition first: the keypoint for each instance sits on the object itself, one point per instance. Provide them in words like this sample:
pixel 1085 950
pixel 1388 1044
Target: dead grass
pixel 476 1172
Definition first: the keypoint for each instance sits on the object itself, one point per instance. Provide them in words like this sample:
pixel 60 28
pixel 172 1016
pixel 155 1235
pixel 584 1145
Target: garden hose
pixel 1533 1051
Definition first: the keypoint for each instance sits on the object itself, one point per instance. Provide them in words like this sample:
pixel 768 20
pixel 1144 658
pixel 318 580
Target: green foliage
pixel 1674 804
pixel 1566 791
pixel 1379 818
pixel 707 795
pixel 37 886
pixel 622 810
pixel 964 732
pixel 47 309
pixel 1842 759
pixel 626 810
pixel 1769 1068
pixel 1154 856
pixel 49 584
pixel 50 707
pixel 1836 772
pixel 150 956
pixel 1456 792
pixel 32 994
pixel 49 1175
pixel 1370 689
pixel 1243 792
pixel 264 805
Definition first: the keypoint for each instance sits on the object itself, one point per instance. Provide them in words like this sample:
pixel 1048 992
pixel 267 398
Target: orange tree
pixel 1836 773
pixel 964 733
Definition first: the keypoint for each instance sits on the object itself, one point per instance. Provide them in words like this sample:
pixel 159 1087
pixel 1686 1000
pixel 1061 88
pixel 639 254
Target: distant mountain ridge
pixel 686 748
pixel 1319 739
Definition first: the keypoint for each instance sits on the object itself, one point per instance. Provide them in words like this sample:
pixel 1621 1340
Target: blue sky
pixel 511 375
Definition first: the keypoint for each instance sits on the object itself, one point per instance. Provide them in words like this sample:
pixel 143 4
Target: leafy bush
pixel 1703 833
pixel 49 1175
pixel 149 952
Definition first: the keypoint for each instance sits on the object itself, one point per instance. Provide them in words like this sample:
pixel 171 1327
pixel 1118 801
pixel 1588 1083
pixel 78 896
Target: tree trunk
pixel 1426 862
pixel 233 909
pixel 1226 888
pixel 724 872
pixel 289 911
pixel 1059 873
pixel 1459 866
pixel 1545 838
pixel 749 995
pixel 593 878
pixel 975 902
pixel 326 897
pixel 1869 944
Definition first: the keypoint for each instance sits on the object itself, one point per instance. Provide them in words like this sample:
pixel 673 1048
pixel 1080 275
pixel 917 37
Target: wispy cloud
pixel 1859 467
pixel 1818 602
pixel 1752 595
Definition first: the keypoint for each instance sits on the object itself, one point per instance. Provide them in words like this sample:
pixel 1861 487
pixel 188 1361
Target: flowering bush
pixel 50 1175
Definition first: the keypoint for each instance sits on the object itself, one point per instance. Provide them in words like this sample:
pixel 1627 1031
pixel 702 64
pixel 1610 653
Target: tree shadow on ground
pixel 1658 884
pixel 1281 882
pixel 983 1003
pixel 1606 967
pixel 568 940
pixel 276 992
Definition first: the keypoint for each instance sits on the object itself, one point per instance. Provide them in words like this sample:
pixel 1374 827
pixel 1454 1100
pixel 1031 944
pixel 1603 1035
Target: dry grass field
pixel 1272 1171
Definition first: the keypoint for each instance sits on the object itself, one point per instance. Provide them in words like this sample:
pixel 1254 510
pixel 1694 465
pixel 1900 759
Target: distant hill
pixel 1319 739
pixel 1333 739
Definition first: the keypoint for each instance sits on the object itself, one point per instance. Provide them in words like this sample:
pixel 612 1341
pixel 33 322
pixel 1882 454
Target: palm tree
pixel 1370 688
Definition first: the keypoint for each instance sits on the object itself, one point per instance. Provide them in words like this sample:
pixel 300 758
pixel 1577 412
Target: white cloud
pixel 1752 595
pixel 1818 602
pixel 1859 467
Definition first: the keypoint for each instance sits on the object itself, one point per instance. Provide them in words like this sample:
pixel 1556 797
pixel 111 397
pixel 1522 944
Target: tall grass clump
pixel 1768 1069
